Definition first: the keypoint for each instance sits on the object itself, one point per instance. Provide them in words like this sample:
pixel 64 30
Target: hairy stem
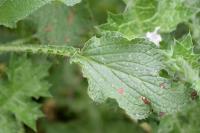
pixel 37 49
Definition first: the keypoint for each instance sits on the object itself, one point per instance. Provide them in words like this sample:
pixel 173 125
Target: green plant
pixel 137 59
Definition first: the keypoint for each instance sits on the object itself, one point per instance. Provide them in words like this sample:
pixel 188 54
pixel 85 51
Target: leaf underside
pixel 128 71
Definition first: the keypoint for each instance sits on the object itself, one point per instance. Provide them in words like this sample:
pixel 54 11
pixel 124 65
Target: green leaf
pixel 128 71
pixel 25 81
pixel 186 121
pixel 195 27
pixel 182 62
pixel 127 1
pixel 145 15
pixel 12 11
pixel 70 2
pixel 9 124
pixel 2 1
pixel 70 26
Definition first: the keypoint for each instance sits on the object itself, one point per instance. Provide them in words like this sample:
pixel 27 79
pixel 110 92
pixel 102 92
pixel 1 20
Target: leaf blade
pixel 111 63
pixel 13 11
pixel 144 16
pixel 25 81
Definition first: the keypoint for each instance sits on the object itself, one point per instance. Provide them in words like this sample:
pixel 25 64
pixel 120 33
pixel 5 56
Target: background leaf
pixel 25 81
pixel 183 122
pixel 13 11
pixel 183 63
pixel 143 16
pixel 9 124
pixel 70 26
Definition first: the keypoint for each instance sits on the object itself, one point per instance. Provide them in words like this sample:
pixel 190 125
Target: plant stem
pixel 37 49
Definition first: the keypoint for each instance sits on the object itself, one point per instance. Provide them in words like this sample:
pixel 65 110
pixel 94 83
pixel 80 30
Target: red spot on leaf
pixel 162 85
pixel 120 91
pixel 145 100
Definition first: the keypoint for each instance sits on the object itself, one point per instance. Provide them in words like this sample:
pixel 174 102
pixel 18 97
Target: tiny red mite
pixel 145 100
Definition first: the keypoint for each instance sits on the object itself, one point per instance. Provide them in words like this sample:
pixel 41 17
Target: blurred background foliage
pixel 70 110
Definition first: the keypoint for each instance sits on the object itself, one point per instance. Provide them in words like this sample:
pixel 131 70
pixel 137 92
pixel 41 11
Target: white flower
pixel 154 36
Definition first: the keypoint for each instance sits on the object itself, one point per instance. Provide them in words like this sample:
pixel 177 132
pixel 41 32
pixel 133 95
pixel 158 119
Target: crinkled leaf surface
pixel 145 15
pixel 25 81
pixel 182 61
pixel 12 11
pixel 69 27
pixel 127 71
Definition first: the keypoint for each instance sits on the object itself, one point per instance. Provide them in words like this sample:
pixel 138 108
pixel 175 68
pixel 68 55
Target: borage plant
pixel 141 58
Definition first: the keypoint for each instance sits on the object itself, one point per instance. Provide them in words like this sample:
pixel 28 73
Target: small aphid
pixel 145 100
pixel 162 85
pixel 120 91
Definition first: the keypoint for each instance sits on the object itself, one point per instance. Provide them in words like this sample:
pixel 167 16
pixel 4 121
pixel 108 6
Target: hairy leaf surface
pixel 127 71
